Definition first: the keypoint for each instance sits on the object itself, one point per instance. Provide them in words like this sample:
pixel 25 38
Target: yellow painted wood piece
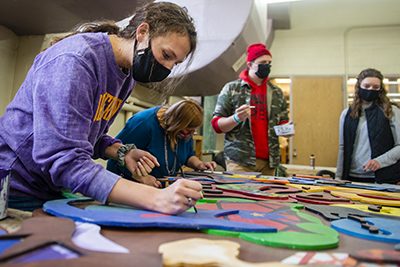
pixel 199 252
pixel 385 210
pixel 313 188
pixel 362 191
pixel 376 201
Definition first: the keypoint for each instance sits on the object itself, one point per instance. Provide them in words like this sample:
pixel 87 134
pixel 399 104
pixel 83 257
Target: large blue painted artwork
pixel 112 215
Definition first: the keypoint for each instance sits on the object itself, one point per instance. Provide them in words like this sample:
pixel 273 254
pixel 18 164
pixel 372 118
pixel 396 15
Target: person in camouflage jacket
pixel 247 110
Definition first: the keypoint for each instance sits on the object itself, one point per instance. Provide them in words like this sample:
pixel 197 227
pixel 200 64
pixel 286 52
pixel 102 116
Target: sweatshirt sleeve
pixel 393 155
pixel 101 145
pixel 63 103
pixel 339 166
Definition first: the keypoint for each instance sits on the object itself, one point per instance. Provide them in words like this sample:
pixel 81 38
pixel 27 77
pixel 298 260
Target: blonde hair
pixel 181 115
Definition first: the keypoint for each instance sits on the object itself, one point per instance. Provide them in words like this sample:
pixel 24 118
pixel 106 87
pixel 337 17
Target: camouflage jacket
pixel 239 144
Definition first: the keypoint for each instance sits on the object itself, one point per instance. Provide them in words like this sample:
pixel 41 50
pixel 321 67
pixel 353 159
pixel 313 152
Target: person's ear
pixel 142 33
pixel 248 63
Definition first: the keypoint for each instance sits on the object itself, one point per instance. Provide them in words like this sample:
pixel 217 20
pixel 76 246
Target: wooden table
pixel 143 245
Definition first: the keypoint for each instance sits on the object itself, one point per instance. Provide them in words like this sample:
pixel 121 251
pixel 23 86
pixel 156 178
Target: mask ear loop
pixel 134 52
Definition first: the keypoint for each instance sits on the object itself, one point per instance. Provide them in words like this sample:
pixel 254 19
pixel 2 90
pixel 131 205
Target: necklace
pixel 170 172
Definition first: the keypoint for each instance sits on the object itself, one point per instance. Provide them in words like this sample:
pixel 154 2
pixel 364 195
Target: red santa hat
pixel 256 50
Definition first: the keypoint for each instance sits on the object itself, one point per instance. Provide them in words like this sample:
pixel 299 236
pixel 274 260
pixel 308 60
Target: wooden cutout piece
pixel 227 194
pixel 254 190
pixel 376 208
pixel 311 189
pixel 203 252
pixel 357 218
pixel 388 229
pixel 38 232
pixel 115 215
pixel 368 200
pixel 272 181
pixel 378 197
pixel 206 186
pixel 312 176
pixel 212 191
pixel 377 256
pixel 279 189
pixel 385 212
pixel 296 230
pixel 320 199
pixel 335 212
pixel 372 229
pixel 332 182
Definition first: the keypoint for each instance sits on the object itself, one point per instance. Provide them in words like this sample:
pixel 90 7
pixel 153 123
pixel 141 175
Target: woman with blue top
pixel 167 133
pixel 369 142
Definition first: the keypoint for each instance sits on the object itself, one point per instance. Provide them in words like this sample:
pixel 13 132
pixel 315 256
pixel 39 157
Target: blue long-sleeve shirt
pixel 144 130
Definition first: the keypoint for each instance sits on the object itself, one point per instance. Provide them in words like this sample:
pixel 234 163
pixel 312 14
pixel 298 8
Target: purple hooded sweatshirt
pixel 59 118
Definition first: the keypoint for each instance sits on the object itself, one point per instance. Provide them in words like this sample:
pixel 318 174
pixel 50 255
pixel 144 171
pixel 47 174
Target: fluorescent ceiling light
pixel 283 80
pixel 351 81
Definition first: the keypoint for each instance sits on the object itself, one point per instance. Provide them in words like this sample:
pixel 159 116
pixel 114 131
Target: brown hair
pixel 382 101
pixel 163 18
pixel 181 115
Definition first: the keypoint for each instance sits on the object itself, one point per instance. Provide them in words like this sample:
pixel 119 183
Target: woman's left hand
pixel 373 165
pixel 148 180
pixel 210 165
pixel 140 162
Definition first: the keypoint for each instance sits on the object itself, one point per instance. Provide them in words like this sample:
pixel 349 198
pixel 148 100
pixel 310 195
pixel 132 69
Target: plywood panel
pixel 317 103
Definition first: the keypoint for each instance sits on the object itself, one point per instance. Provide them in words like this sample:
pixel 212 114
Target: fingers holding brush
pixel 180 196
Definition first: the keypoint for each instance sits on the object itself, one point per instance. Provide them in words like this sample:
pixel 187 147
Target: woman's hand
pixel 210 165
pixel 175 199
pixel 140 162
pixel 372 165
pixel 178 197
pixel 148 180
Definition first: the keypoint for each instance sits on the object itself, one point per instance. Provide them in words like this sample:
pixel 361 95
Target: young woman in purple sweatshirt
pixel 59 118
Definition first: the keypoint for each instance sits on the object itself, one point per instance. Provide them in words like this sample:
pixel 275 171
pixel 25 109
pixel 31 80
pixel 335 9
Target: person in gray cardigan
pixel 369 137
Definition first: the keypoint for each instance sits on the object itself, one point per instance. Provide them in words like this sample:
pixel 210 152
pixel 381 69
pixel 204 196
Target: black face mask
pixel 263 71
pixel 146 68
pixel 369 95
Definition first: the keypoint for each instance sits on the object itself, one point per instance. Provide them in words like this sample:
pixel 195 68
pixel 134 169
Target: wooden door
pixel 317 103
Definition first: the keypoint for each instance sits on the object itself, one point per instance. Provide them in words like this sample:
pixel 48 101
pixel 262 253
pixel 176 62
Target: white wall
pixel 338 37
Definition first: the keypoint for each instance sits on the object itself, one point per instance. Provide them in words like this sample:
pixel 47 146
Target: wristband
pixel 122 151
pixel 235 118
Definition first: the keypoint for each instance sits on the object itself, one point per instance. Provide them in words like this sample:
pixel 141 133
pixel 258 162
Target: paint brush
pixel 184 177
pixel 183 174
